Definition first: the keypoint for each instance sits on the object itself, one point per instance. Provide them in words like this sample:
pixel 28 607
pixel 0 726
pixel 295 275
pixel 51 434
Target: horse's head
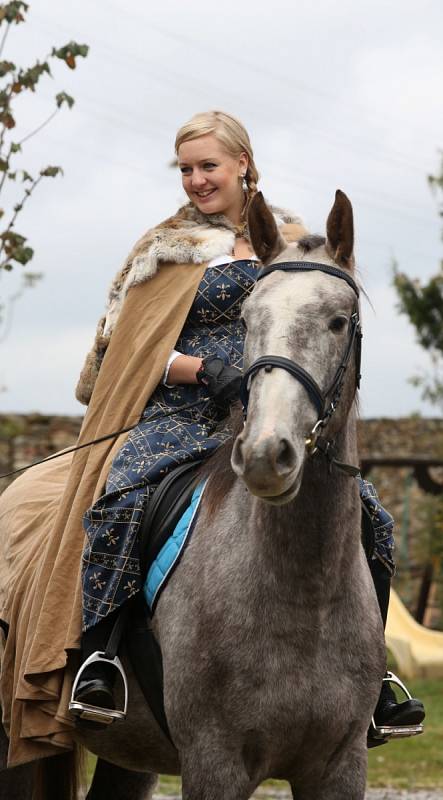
pixel 307 317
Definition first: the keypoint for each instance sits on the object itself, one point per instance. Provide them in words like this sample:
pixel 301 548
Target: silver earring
pixel 244 182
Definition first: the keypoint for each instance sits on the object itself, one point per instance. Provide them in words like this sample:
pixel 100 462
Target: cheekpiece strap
pixel 328 449
pixel 309 266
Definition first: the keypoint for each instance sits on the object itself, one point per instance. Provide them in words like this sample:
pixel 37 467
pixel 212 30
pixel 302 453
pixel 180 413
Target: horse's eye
pixel 337 324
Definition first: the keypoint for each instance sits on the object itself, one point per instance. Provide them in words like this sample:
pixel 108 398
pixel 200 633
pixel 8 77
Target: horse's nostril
pixel 237 458
pixel 285 455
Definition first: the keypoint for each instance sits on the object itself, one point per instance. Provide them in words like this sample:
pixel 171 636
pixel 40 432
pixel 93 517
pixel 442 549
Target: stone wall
pixel 418 515
pixel 419 529
pixel 25 438
pixel 411 436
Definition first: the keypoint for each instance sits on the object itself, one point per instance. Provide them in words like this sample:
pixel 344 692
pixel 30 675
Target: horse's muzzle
pixel 268 464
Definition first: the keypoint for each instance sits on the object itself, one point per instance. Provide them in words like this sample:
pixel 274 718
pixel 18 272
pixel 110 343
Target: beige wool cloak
pixel 41 532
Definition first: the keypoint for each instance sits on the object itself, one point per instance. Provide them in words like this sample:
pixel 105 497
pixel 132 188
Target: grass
pixel 411 764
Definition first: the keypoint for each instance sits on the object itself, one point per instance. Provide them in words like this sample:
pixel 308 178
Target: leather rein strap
pixel 318 399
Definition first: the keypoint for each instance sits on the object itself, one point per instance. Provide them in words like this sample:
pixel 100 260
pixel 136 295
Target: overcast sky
pixel 334 95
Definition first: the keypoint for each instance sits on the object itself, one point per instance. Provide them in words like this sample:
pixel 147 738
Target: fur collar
pixel 188 237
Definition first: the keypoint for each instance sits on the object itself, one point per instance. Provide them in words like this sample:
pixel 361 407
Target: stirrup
pixel 94 713
pixel 384 733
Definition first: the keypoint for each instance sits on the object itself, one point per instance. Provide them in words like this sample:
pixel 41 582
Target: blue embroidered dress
pixel 111 570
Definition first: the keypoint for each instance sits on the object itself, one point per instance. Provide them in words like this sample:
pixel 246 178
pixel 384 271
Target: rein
pixel 324 410
pixel 105 438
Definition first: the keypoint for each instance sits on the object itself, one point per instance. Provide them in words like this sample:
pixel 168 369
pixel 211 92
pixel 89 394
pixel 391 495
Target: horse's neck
pixel 316 536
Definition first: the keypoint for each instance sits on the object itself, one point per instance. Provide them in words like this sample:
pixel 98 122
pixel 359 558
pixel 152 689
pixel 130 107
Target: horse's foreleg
pixel 209 774
pixel 112 782
pixel 343 778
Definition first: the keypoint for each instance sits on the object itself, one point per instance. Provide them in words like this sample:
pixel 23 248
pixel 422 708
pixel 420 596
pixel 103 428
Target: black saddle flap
pixel 168 503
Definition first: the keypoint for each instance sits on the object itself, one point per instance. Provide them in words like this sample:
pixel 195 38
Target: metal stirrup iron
pixel 387 732
pixel 85 711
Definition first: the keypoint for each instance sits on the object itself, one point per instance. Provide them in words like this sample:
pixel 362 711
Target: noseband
pixel 324 409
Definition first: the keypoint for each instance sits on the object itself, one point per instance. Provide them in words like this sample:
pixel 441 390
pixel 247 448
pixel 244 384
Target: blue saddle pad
pixel 161 569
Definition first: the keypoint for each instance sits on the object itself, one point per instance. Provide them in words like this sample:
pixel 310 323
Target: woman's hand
pixel 222 381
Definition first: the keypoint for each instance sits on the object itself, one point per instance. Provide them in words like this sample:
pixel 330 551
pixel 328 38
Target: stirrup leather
pixel 94 713
pixel 387 732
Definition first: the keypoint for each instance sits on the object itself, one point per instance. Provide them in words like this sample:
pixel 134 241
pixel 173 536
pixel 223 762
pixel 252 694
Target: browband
pixel 309 266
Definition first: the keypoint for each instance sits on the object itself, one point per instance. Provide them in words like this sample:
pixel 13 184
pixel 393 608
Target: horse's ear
pixel 266 239
pixel 340 231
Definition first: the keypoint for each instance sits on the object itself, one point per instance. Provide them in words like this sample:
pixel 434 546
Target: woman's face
pixel 211 176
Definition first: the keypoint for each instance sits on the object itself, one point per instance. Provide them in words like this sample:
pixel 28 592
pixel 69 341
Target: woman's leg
pixel 382 583
pixel 388 710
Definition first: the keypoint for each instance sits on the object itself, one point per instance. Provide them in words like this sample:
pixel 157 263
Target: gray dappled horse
pixel 272 640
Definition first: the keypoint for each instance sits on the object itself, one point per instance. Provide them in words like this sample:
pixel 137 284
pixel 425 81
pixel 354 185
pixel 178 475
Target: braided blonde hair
pixel 231 133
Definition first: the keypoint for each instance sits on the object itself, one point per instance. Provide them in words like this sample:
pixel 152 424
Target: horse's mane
pixel 310 242
pixel 218 467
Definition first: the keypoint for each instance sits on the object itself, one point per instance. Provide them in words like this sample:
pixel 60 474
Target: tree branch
pixel 6 171
pixel 3 130
pixel 4 37
pixel 19 207
pixel 39 128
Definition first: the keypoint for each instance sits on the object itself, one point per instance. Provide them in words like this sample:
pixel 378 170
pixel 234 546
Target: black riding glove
pixel 222 382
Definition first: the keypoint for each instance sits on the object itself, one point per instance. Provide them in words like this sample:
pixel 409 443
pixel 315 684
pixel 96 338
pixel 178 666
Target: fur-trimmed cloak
pixel 41 533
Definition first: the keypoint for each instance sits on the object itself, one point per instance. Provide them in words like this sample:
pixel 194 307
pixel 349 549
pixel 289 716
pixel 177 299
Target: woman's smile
pixel 205 194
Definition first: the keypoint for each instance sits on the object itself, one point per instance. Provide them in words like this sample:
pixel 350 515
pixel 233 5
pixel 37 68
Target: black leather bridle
pixel 325 403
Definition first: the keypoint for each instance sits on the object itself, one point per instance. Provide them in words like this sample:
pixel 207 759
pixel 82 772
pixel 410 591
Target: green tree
pixel 422 303
pixel 14 81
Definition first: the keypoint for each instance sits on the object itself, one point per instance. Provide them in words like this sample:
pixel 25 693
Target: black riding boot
pixel 388 711
pixel 97 681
